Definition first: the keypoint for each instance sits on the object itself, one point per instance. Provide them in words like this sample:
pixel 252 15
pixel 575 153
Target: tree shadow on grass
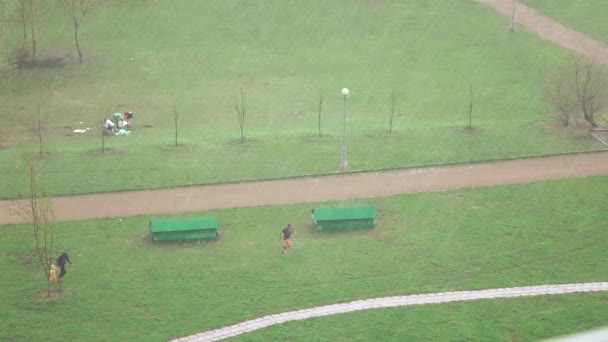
pixel 49 62
pixel 107 152
pixel 187 147
pixel 471 130
pixel 247 142
pixel 317 138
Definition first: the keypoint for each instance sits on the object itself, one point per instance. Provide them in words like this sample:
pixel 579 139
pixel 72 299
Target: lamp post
pixel 512 28
pixel 343 160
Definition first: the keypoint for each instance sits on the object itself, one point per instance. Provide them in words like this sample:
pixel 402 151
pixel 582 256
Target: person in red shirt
pixel 286 236
pixel 128 117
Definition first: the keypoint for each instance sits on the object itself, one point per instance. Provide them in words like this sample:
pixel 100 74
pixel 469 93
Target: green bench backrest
pixel 344 218
pixel 184 229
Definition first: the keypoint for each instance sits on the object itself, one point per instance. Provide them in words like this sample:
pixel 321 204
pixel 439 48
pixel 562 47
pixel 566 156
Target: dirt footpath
pixel 551 30
pixel 324 188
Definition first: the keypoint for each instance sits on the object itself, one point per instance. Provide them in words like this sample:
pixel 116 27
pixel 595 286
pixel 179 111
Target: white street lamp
pixel 343 160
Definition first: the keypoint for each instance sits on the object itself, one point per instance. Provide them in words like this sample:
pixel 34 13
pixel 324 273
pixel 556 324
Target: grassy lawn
pixel 282 54
pixel 587 16
pixel 518 319
pixel 121 287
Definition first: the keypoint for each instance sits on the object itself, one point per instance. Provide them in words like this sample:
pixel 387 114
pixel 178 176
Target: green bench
pixel 344 218
pixel 195 228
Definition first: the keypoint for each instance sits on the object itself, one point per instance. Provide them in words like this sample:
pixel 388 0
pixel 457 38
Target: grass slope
pixel 121 287
pixel 282 54
pixel 517 319
pixel 587 16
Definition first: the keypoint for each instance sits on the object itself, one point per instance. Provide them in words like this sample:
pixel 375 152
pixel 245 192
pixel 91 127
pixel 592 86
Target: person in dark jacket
pixel 61 263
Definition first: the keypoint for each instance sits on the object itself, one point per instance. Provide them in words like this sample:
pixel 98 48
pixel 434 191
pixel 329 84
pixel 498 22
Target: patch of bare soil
pixel 54 294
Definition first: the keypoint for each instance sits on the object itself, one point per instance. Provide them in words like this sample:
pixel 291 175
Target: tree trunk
pixel 2 40
pixel 320 111
pixel 24 25
pixel 175 116
pixel 32 29
pixel 76 26
pixel 103 136
pixel 471 107
pixel 39 132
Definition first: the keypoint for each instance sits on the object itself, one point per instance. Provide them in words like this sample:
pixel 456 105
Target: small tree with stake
pixel 470 125
pixel 38 210
pixel 320 111
pixel 392 110
pixel 240 111
pixel 39 132
pixel 103 136
pixel 175 119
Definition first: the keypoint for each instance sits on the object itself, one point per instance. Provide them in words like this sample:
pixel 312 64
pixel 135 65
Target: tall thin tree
pixel 38 211
pixel 240 111
pixel 78 10
pixel 320 111
pixel 39 131
pixel 32 15
pixel 103 135
pixel 175 118
pixel 392 110
pixel 470 126
pixel 23 16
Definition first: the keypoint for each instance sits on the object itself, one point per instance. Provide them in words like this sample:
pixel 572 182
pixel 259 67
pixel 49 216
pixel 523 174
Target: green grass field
pixel 587 16
pixel 520 319
pixel 282 54
pixel 121 287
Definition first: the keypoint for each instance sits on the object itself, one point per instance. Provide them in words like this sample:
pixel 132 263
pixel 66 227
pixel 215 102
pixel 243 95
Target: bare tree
pixel 78 10
pixel 591 89
pixel 470 126
pixel 581 88
pixel 557 92
pixel 38 210
pixel 392 110
pixel 23 16
pixel 32 10
pixel 103 136
pixel 175 117
pixel 39 131
pixel 320 111
pixel 7 8
pixel 240 111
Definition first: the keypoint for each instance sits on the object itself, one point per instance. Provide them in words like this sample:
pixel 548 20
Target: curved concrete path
pixel 324 188
pixel 387 302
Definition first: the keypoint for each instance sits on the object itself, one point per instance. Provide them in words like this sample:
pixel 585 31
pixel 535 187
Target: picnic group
pixel 118 124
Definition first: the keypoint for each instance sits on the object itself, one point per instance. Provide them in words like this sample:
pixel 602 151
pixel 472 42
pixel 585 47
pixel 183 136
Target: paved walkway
pixel 324 188
pixel 387 302
pixel 551 30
